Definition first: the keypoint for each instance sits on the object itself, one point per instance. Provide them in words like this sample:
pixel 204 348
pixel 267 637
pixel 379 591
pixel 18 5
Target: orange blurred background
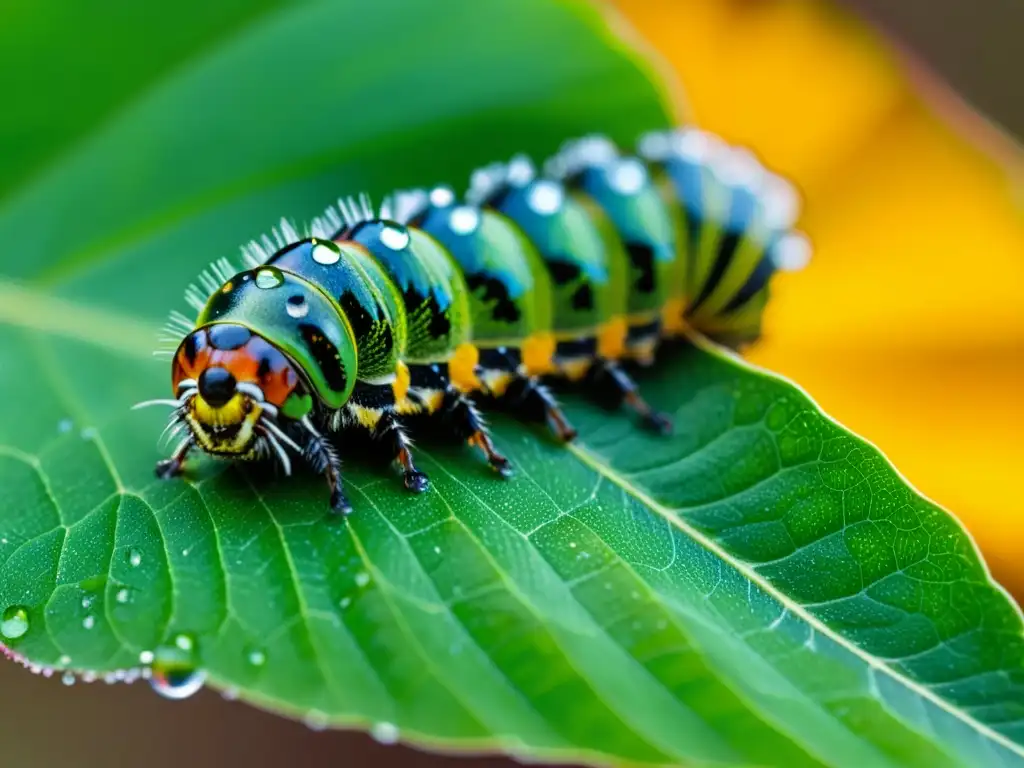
pixel 908 326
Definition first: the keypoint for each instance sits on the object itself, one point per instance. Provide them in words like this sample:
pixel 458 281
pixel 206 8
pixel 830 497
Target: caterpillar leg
pixel 501 374
pixel 613 386
pixel 322 457
pixel 532 401
pixel 372 407
pixel 389 431
pixel 465 422
pixel 167 468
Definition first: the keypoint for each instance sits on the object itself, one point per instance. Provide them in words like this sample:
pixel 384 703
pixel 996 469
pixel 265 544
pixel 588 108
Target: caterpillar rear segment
pixel 433 302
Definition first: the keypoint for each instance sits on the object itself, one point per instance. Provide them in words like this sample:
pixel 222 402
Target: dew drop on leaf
pixel 174 669
pixel 87 601
pixel 134 558
pixel 256 657
pixel 14 623
pixel 89 622
pixel 362 579
pixel 385 733
pixel 64 660
pixel 315 720
pixel 68 678
pixel 123 595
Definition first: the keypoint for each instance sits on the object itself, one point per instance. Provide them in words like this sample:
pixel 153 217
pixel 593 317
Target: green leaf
pixel 762 587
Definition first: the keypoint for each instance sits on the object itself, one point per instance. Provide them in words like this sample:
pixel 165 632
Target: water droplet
pixel 315 720
pixel 174 671
pixel 296 306
pixel 385 733
pixel 464 220
pixel 545 197
pixel 345 602
pixel 146 657
pixel 89 622
pixel 628 176
pixel 89 676
pixel 437 550
pixel 362 579
pixel 572 545
pixel 64 660
pixel 65 425
pixel 256 657
pixel 269 277
pixel 134 558
pixel 87 601
pixel 14 623
pixel 68 678
pixel 229 694
pixel 185 552
pixel 394 237
pixel 123 595
pixel 326 254
pixel 441 197
pixel 89 433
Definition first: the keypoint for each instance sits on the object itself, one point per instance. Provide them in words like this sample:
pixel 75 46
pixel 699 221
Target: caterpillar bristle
pixel 579 154
pixel 253 254
pixel 195 298
pixel 327 225
pixel 488 181
pixel 406 205
pixel 177 323
pixel 288 234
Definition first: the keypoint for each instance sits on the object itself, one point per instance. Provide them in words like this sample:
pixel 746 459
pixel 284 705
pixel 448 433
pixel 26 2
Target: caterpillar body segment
pixel 434 303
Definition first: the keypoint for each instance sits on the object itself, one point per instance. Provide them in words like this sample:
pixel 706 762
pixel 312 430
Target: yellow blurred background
pixel 908 326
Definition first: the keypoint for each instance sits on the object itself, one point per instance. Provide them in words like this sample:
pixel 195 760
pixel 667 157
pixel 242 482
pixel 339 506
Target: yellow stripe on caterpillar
pixel 462 368
pixel 538 353
pixel 611 338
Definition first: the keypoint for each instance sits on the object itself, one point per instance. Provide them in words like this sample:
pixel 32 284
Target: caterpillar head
pixel 231 387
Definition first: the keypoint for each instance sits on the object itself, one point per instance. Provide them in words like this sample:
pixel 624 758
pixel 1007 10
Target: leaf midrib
pixel 754 577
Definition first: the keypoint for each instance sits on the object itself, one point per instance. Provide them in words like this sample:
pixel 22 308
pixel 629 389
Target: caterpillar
pixel 432 305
